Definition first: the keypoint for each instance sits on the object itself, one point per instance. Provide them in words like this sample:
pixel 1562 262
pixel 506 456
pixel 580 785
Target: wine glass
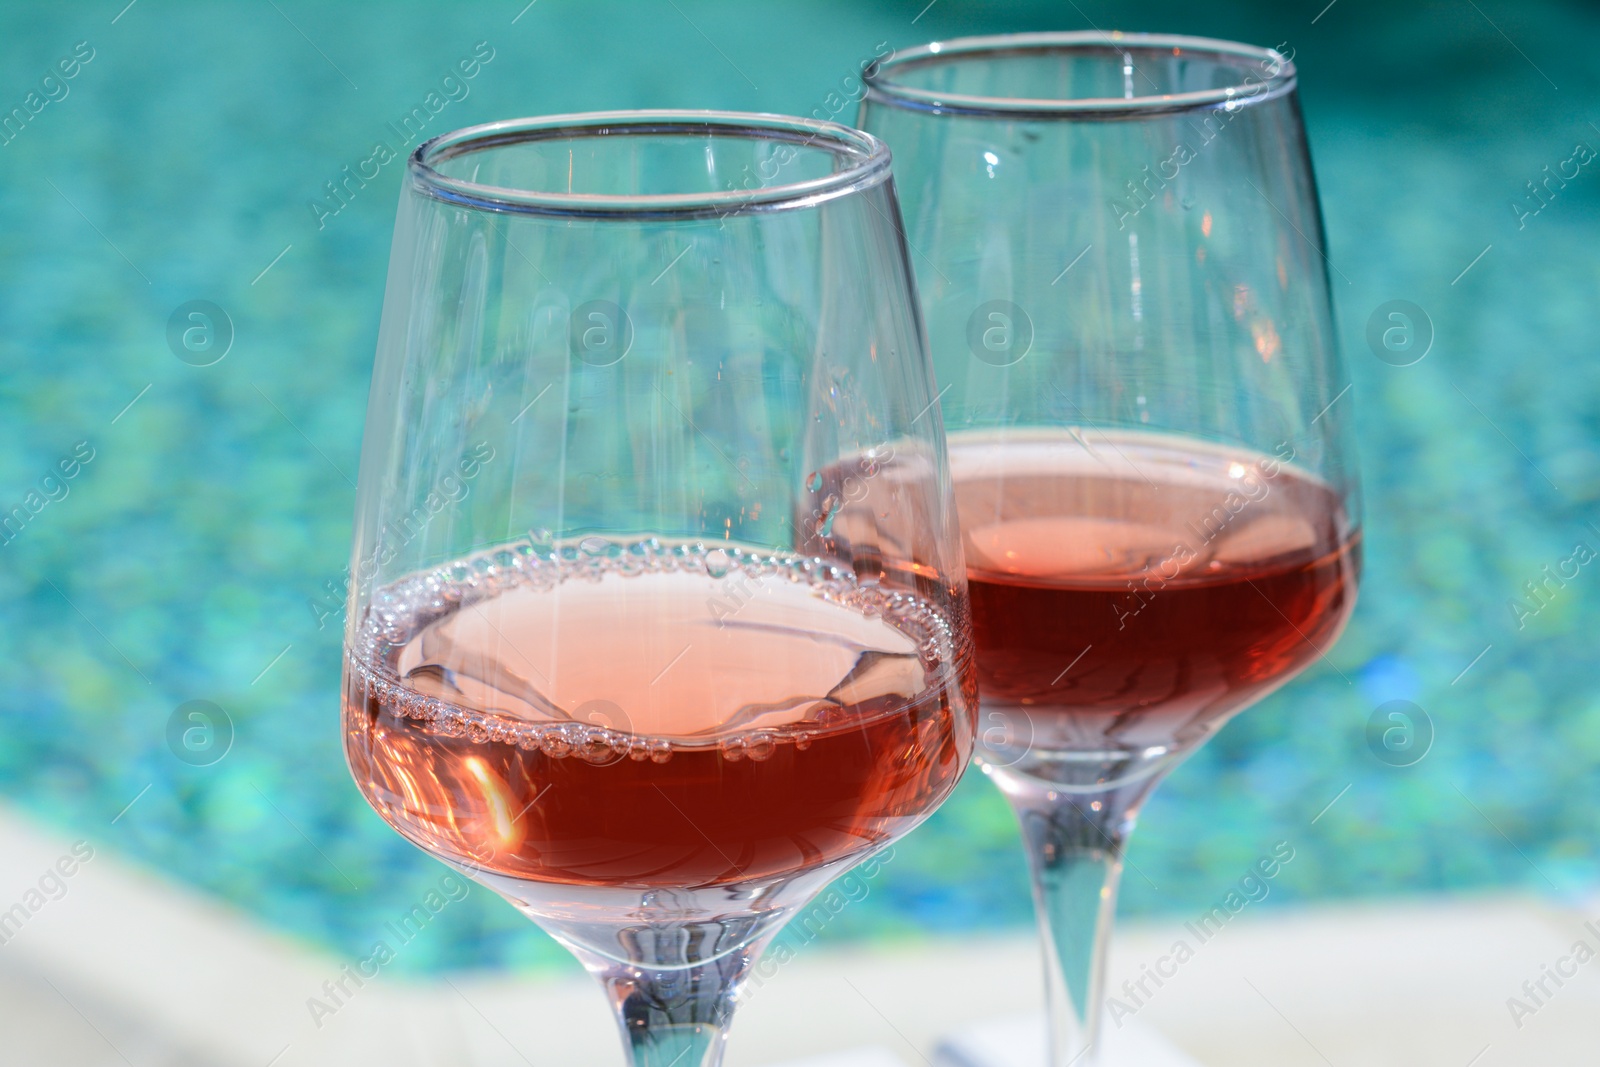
pixel 1123 274
pixel 625 643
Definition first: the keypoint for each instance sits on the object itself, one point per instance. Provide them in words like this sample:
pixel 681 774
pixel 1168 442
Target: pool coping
pixel 147 961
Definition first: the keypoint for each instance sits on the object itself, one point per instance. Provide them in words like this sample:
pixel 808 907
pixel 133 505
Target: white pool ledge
pixel 124 964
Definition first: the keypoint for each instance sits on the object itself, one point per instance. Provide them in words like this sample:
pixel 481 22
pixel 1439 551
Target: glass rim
pixel 867 164
pixel 1278 76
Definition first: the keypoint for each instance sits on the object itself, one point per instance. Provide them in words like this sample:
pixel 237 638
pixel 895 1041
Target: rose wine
pixel 654 716
pixel 1130 591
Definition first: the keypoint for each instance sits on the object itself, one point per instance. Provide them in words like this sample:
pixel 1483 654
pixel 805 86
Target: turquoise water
pixel 188 558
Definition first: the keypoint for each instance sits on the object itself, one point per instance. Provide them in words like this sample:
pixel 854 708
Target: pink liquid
pixel 1137 595
pixel 671 718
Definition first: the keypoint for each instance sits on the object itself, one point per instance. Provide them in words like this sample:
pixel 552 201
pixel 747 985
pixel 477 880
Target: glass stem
pixel 675 1016
pixel 1075 843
